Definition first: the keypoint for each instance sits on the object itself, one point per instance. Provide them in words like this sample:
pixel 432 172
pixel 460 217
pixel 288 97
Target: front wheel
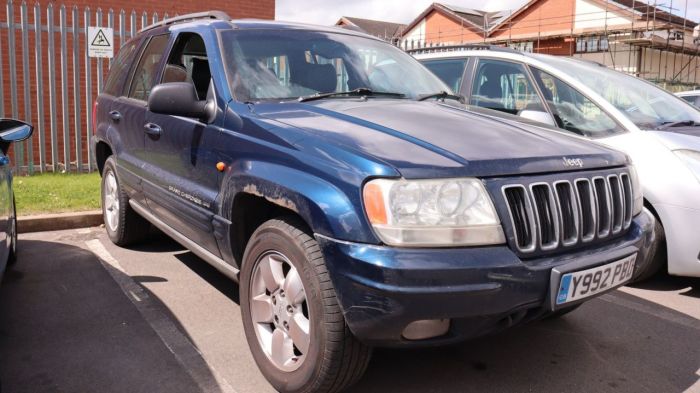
pixel 293 323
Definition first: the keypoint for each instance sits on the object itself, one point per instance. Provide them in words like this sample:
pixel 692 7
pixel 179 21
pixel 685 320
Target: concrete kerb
pixel 59 221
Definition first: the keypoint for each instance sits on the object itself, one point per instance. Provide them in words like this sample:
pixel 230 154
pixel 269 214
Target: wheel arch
pixel 256 192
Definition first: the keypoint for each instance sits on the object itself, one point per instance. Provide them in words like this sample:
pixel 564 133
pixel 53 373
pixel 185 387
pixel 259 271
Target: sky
pixel 327 12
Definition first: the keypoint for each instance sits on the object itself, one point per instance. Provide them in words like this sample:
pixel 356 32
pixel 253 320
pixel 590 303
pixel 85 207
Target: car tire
pixel 124 226
pixel 658 255
pixel 12 255
pixel 279 256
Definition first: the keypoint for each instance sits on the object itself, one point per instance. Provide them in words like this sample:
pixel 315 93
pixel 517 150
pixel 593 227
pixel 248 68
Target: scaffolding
pixel 646 39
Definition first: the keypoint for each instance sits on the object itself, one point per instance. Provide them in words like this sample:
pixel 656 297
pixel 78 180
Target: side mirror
pixel 538 116
pixel 14 130
pixel 178 99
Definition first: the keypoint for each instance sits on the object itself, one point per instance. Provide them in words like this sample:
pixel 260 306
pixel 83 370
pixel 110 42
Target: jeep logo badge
pixel 577 162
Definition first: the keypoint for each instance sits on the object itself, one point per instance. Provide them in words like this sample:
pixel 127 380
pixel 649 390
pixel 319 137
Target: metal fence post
pixel 26 92
pixel 12 60
pixel 122 27
pixel 98 23
pixel 88 93
pixel 64 88
pixel 39 89
pixel 132 25
pixel 52 87
pixel 110 24
pixel 76 91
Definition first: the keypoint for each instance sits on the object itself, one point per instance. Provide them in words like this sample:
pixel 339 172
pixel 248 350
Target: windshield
pixel 646 105
pixel 288 64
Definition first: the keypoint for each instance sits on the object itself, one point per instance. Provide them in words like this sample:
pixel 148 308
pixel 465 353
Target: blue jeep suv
pixel 353 197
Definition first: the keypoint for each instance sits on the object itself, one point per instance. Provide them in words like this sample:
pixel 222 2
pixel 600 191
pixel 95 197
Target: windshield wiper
pixel 359 92
pixel 683 123
pixel 442 95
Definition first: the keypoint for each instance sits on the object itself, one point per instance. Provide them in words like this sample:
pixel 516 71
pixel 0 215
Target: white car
pixel 692 96
pixel 659 131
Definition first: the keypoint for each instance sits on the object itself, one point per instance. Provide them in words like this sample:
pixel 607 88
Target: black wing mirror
pixel 12 130
pixel 179 99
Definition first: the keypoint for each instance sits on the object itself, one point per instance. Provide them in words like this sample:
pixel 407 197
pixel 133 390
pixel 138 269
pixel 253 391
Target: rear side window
pixel 504 86
pixel 147 69
pixel 117 74
pixel 450 71
pixel 693 100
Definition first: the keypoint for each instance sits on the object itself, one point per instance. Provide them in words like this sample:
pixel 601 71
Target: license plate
pixel 586 283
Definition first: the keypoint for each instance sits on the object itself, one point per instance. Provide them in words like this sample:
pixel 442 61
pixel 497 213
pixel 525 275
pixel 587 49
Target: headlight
pixel 691 159
pixel 636 191
pixel 437 213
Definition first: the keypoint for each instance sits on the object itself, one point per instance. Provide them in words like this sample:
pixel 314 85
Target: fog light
pixel 428 328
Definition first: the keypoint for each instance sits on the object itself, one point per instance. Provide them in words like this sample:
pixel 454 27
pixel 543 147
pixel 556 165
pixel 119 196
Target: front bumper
pixel 481 290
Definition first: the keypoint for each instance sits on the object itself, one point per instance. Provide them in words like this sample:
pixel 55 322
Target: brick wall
pixel 542 16
pixel 441 29
pixel 263 9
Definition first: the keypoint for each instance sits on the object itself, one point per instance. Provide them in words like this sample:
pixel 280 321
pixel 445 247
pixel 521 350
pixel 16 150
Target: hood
pixel 686 139
pixel 429 139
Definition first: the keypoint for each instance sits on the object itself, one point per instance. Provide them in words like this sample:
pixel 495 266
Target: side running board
pixel 220 265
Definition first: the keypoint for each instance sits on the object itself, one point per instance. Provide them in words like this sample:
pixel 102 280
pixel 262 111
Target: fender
pixel 327 209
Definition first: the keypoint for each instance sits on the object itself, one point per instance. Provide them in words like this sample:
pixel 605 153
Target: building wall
pixel 554 46
pixel 441 29
pixel 590 14
pixel 544 15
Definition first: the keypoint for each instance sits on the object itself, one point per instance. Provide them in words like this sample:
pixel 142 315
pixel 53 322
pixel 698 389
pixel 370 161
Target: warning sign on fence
pixel 100 42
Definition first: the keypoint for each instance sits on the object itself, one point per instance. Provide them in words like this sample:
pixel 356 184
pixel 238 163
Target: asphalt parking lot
pixel 78 314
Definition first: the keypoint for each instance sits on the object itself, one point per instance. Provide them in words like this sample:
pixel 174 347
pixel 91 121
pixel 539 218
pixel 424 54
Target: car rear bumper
pixel 481 290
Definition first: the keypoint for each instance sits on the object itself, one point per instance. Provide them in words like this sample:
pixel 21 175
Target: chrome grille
pixel 546 216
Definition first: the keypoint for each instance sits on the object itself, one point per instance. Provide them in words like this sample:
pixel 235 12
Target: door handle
pixel 115 115
pixel 152 129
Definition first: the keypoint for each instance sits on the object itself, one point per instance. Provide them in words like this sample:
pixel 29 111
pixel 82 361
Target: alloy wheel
pixel 111 201
pixel 279 311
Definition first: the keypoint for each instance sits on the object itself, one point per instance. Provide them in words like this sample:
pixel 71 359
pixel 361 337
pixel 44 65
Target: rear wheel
pixel 294 326
pixel 658 255
pixel 124 226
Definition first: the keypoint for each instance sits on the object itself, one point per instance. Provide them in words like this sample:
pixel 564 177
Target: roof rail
pixel 188 17
pixel 454 48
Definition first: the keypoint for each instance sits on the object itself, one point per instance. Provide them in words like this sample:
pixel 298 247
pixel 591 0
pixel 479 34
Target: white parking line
pixel 674 317
pixel 185 352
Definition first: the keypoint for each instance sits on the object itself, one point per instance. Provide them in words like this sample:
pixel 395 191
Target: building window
pixel 522 46
pixel 592 44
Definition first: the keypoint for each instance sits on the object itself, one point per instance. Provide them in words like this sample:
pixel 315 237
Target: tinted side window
pixel 450 71
pixel 117 74
pixel 504 86
pixel 693 100
pixel 572 110
pixel 145 73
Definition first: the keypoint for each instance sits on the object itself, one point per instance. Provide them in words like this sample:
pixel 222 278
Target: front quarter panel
pixel 321 183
